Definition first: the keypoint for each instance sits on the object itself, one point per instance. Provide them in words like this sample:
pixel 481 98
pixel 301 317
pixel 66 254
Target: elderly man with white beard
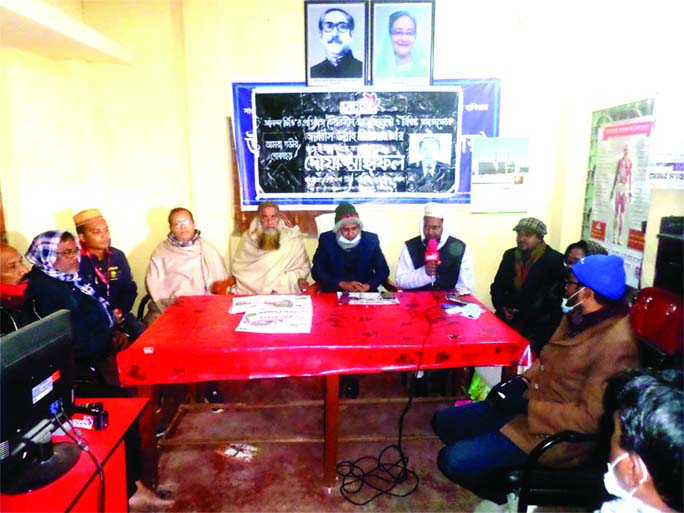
pixel 271 257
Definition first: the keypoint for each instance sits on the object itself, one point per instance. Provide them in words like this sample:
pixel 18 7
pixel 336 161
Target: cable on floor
pixel 388 473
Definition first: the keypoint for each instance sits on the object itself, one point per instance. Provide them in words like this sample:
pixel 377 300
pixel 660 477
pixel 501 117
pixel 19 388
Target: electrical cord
pixel 82 443
pixel 380 474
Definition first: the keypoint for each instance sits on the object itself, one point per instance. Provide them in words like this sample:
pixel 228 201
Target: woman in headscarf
pixel 54 283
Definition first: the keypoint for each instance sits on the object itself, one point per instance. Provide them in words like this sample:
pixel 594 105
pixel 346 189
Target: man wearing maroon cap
pixel 107 270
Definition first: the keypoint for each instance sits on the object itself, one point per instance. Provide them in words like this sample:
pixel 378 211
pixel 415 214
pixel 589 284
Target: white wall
pixel 139 139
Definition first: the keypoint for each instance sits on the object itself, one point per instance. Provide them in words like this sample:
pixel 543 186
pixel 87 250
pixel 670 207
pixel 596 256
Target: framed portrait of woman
pixel 336 42
pixel 402 42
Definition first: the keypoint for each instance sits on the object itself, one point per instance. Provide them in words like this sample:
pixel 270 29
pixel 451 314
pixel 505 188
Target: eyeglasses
pixel 184 222
pixel 69 252
pixel 341 26
pixel 401 33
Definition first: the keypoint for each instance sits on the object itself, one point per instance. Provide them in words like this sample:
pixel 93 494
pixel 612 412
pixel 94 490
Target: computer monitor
pixel 36 383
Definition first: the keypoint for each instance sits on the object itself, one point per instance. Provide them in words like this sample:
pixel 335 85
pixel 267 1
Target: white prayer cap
pixel 433 210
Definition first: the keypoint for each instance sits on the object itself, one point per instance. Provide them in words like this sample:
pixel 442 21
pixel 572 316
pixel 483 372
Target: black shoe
pixel 214 397
pixel 349 387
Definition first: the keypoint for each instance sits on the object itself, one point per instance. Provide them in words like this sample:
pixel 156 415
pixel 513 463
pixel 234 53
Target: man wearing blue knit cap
pixel 562 390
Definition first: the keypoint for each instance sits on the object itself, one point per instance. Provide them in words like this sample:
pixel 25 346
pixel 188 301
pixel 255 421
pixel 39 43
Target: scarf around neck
pixel 522 269
pixel 173 240
pixel 43 253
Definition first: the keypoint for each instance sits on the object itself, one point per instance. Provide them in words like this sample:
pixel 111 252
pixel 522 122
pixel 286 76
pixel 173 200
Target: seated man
pixel 645 469
pixel 106 269
pixel 182 265
pixel 564 386
pixel 54 283
pixel 526 292
pixel 271 257
pixel 347 258
pixel 15 306
pixel 454 270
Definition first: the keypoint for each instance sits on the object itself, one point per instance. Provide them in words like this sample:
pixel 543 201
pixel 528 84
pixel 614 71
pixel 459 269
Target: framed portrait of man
pixel 336 43
pixel 402 42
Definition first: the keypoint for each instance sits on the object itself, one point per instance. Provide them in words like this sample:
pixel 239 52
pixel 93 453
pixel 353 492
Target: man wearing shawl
pixel 55 284
pixel 526 292
pixel 455 267
pixel 182 265
pixel 271 257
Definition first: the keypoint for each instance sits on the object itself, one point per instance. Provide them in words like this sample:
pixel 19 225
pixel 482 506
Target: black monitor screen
pixel 36 383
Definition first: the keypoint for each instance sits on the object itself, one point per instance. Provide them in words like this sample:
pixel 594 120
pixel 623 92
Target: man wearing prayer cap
pixel 107 270
pixel 526 291
pixel 454 270
pixel 349 258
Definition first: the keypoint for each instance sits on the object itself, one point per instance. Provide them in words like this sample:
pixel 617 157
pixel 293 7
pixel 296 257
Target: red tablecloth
pixel 195 340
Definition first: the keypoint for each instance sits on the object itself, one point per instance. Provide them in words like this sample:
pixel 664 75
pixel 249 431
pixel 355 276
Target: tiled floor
pixel 286 475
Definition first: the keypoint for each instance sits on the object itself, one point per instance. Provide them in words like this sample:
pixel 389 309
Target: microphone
pixel 432 255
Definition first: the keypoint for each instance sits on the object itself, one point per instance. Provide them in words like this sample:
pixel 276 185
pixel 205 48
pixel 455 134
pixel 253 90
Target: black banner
pixel 358 144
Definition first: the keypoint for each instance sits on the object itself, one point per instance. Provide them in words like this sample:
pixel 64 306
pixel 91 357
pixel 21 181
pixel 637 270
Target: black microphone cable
pixel 384 473
pixel 82 443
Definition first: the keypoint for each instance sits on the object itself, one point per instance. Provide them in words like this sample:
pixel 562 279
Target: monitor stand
pixel 41 472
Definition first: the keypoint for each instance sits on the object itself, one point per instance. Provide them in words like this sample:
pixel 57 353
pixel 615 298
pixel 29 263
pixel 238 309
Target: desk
pixel 195 340
pixel 77 490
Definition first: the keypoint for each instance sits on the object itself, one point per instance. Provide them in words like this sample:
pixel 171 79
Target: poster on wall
pixel 402 47
pixel 336 42
pixel 501 175
pixel 618 192
pixel 479 112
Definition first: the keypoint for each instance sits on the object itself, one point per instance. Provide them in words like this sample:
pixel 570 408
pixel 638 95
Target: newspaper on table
pixel 367 298
pixel 273 313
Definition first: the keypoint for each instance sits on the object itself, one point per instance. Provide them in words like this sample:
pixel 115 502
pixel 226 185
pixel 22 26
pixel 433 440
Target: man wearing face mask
pixel 645 470
pixel 562 390
pixel 348 258
pixel 15 306
pixel 336 28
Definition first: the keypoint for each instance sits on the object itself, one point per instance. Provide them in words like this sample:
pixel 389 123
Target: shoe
pixel 214 397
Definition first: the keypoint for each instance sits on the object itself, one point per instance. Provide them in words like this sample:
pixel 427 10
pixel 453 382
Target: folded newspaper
pixel 367 298
pixel 273 313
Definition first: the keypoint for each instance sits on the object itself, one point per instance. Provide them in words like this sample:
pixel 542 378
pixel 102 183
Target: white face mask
pixel 564 304
pixel 348 244
pixel 613 487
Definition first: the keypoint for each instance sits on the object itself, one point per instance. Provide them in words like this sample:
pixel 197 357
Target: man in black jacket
pixel 527 290
pixel 55 284
pixel 106 269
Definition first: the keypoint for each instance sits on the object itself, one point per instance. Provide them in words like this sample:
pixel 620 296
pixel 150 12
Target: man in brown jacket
pixel 564 386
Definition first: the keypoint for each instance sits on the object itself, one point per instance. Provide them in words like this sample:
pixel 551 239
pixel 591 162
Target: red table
pixel 195 340
pixel 77 490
